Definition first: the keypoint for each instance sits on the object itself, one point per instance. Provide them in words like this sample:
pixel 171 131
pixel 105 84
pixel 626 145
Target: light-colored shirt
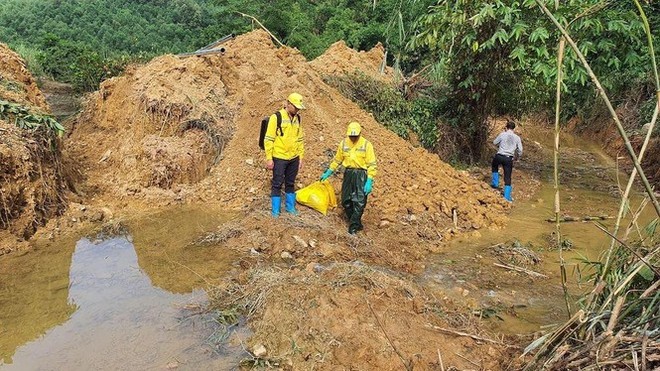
pixel 509 144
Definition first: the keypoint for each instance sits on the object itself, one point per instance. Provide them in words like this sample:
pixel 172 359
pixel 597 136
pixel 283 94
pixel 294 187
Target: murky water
pixel 515 302
pixel 121 303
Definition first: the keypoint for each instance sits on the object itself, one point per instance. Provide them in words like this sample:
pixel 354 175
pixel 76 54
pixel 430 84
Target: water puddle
pixel 97 307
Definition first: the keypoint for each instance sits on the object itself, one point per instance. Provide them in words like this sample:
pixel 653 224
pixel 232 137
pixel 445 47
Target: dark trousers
pixel 507 164
pixel 353 198
pixel 284 171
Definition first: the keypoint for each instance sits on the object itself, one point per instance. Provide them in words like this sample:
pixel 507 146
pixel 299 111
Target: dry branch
pixel 519 269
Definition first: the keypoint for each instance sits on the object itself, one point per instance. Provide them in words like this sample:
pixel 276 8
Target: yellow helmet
pixel 297 100
pixel 354 129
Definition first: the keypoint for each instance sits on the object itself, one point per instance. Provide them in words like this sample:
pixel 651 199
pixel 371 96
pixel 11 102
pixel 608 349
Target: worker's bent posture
pixel 357 156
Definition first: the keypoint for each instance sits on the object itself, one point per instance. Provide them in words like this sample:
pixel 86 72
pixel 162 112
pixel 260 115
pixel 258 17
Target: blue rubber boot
pixel 495 183
pixel 290 203
pixel 507 193
pixel 276 205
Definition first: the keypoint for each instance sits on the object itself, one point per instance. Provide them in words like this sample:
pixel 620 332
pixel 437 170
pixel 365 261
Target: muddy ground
pixel 184 131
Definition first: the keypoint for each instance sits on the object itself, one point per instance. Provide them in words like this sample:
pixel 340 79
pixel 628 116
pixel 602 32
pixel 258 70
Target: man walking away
pixel 284 153
pixel 509 148
pixel 357 156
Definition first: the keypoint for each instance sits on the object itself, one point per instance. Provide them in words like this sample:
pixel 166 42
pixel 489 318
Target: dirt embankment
pixel 602 129
pixel 32 184
pixel 339 59
pixel 16 83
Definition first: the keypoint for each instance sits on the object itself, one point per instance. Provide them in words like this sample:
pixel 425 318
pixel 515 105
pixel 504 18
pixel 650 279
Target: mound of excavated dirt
pixel 339 59
pixel 31 181
pixel 225 97
pixel 186 130
pixel 16 83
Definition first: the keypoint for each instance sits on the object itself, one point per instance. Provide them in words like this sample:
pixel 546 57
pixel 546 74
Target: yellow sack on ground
pixel 320 196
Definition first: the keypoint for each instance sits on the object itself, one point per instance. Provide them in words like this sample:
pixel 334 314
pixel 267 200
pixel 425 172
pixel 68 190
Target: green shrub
pixel 389 106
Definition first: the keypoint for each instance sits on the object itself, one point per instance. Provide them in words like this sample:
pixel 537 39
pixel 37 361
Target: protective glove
pixel 326 174
pixel 368 185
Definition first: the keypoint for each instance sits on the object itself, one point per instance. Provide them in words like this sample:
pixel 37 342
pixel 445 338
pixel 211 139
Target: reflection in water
pixel 33 295
pixel 120 321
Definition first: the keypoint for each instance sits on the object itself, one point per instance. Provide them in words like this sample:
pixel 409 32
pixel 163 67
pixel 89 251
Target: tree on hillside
pixel 499 58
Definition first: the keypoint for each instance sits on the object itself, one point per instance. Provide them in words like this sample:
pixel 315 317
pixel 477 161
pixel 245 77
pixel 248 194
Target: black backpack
pixel 264 127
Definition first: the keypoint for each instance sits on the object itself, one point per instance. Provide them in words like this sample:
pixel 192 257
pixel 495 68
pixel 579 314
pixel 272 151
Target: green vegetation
pixel 390 107
pixel 26 120
pixel 471 59
pixel 500 58
pixel 86 41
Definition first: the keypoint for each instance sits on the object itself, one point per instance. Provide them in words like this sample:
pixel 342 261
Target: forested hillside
pixel 461 61
pixel 83 41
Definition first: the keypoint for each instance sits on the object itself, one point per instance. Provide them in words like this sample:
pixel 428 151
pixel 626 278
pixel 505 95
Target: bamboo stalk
pixel 560 77
pixel 262 26
pixel 406 364
pixel 603 94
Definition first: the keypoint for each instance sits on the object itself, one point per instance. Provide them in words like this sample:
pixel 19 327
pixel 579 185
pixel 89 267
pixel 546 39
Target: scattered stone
pixel 97 216
pixel 107 213
pixel 105 156
pixel 384 223
pixel 313 243
pixel 172 365
pixel 254 252
pixel 249 161
pixel 252 190
pixel 286 255
pixel 300 241
pixel 259 351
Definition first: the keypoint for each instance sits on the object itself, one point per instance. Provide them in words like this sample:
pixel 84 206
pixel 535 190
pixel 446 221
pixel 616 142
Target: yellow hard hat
pixel 297 100
pixel 354 129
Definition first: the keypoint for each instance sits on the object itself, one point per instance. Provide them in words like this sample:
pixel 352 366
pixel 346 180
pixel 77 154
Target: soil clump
pixel 32 184
pixel 16 82
pixel 339 59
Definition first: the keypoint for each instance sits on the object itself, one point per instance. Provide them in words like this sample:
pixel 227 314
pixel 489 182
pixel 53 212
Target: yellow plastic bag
pixel 320 196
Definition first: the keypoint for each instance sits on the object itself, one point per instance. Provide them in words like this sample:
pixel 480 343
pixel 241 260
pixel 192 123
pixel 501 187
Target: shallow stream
pixel 516 302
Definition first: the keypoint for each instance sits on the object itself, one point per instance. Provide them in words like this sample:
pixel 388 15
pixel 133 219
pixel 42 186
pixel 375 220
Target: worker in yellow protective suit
pixel 285 148
pixel 357 156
